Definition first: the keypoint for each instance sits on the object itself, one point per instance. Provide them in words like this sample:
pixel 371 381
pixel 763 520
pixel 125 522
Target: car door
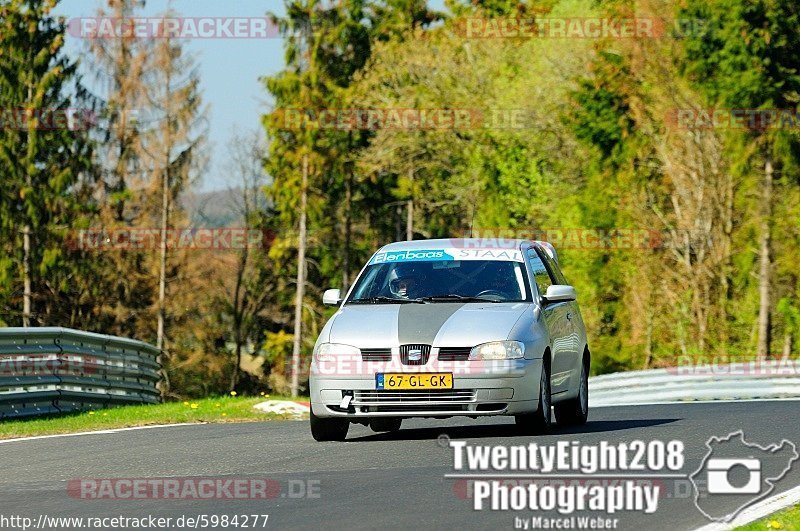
pixel 576 333
pixel 573 315
pixel 554 316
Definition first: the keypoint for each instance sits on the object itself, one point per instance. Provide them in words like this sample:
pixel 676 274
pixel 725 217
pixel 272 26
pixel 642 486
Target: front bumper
pixel 479 389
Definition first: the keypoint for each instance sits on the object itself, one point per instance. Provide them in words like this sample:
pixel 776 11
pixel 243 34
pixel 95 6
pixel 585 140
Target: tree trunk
pixel 765 265
pixel 162 269
pixel 410 209
pixel 348 229
pixel 398 225
pixel 410 220
pixel 724 272
pixel 238 363
pixel 165 189
pixel 26 241
pixel 26 280
pixel 301 282
pixel 239 307
pixel 787 346
pixel 237 326
pixel 162 266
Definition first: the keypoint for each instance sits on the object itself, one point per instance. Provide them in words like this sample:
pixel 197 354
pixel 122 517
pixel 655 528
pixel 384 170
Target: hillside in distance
pixel 216 208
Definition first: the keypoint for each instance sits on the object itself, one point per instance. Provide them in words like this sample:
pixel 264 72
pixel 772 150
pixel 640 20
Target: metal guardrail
pixel 56 370
pixel 735 381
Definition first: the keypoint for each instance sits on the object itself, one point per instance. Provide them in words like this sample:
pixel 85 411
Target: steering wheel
pixel 498 295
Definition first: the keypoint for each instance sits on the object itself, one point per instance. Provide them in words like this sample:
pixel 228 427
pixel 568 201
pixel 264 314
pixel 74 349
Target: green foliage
pixel 44 168
pixel 594 151
pixel 746 54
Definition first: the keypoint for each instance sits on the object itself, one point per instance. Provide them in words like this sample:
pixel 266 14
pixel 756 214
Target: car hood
pixel 438 324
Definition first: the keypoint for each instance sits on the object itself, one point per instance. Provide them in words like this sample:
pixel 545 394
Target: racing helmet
pixel 405 281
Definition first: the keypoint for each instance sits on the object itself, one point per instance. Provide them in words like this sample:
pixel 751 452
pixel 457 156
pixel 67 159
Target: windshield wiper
pixel 386 300
pixel 459 298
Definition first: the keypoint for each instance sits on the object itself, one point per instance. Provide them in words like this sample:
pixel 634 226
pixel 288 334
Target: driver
pixel 406 281
pixel 502 280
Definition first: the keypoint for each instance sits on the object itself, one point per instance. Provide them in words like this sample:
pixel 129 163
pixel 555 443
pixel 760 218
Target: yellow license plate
pixel 425 380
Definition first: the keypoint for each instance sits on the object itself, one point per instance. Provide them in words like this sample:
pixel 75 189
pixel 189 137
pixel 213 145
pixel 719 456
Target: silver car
pixel 452 327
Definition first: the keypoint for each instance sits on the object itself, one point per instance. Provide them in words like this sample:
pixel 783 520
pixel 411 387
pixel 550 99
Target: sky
pixel 229 69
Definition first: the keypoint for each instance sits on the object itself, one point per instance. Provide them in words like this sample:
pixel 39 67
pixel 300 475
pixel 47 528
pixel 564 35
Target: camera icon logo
pixel 720 483
pixel 735 474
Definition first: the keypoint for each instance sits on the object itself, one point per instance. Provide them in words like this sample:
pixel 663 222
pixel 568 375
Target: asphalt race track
pixel 371 481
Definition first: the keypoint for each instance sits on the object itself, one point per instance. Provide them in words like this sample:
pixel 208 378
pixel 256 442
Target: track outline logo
pixel 752 464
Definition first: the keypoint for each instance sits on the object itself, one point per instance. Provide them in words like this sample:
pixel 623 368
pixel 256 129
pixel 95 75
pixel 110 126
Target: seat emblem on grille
pixel 415 354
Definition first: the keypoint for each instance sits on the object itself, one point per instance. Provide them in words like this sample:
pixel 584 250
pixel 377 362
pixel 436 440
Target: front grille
pixel 376 354
pixel 413 397
pixel 407 352
pixel 454 353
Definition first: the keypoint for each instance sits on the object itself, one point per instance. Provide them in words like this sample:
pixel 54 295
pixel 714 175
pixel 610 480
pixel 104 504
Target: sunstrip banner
pixel 451 254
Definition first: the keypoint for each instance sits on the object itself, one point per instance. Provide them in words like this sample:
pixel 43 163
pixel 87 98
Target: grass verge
pixel 788 520
pixel 223 409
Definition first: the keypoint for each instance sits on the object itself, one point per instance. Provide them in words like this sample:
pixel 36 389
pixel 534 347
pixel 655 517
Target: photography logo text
pixel 576 503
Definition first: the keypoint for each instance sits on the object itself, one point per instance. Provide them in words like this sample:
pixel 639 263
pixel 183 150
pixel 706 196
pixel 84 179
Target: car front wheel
pixel 323 429
pixel 539 421
pixel 574 412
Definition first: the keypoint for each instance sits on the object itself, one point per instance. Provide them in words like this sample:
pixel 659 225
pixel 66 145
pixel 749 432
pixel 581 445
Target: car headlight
pixel 498 350
pixel 329 351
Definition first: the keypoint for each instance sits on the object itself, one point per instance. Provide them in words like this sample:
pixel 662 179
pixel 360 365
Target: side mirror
pixel 556 293
pixel 332 297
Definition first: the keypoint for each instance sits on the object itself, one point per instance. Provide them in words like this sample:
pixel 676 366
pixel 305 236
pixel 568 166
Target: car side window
pixel 540 274
pixel 554 269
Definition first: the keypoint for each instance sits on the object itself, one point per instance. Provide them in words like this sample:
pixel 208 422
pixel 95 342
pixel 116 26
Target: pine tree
pixel 119 66
pixel 45 159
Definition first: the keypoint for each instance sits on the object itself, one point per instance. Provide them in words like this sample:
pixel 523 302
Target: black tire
pixel 328 429
pixel 385 424
pixel 575 411
pixel 539 421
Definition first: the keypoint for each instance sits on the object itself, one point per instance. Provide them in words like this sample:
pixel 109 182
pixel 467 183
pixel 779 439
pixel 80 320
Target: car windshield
pixel 444 281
